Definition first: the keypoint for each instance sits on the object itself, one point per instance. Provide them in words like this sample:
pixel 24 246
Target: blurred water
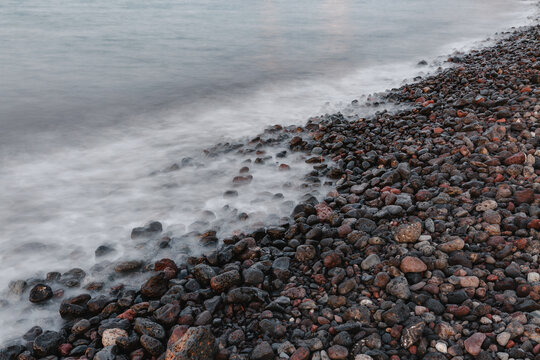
pixel 97 98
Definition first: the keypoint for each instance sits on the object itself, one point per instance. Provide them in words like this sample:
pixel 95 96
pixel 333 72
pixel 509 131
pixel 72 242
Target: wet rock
pixel 203 273
pixel 47 343
pixel 151 229
pixel 156 286
pixel 40 293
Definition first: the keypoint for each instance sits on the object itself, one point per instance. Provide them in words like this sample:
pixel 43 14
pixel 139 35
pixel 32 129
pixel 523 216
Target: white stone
pixel 363 357
pixel 484 320
pixel 503 338
pixel 533 277
pixel 110 335
pixel 441 347
pixel 503 356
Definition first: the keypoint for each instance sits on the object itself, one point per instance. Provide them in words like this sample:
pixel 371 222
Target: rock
pixel 473 345
pixel 107 353
pixel 503 338
pixel 203 273
pixel 412 334
pixel 338 352
pixel 408 233
pixel 110 335
pixel 445 330
pixel 167 314
pixel 363 357
pixel 518 158
pixel 156 286
pixel 225 281
pixel 47 343
pixel 302 353
pixel 305 253
pixel 152 345
pixel 452 245
pixel 524 196
pixel 145 326
pixel 263 351
pixel 253 276
pixel 441 347
pixel 40 293
pixel 370 261
pixel 397 314
pixel 332 260
pixel 127 266
pixel 410 264
pixel 151 229
pixel 469 281
pixel 197 343
pixel 486 205
pixel 533 277
pixel 399 287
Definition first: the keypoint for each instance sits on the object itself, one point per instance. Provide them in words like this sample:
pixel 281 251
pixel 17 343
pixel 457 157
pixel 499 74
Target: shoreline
pixel 329 268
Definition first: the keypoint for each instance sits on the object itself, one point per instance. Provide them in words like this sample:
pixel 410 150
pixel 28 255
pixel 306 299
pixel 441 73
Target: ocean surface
pixel 99 98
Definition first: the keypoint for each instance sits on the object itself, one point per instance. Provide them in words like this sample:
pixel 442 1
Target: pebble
pixel 110 335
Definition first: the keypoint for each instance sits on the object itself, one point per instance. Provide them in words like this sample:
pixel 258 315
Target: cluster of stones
pixel 428 248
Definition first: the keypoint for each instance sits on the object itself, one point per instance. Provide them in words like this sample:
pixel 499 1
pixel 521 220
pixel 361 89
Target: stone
pixel 486 205
pixel 441 347
pixel 152 345
pixel 203 273
pixel 332 260
pixel 473 345
pixel 305 253
pixel 222 282
pixel 156 286
pixel 197 343
pixel 410 264
pixel 40 293
pixel 47 343
pixel 469 281
pixel 408 233
pixel 110 335
pixel 167 314
pixel 253 276
pixel 503 338
pixel 302 353
pixel 399 287
pixel 370 261
pixel 412 334
pixel 263 351
pixel 338 352
pixel 452 245
pixel 145 326
pixel 533 277
pixel 107 353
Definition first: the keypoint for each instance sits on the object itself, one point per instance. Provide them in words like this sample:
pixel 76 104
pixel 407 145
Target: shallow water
pixel 98 98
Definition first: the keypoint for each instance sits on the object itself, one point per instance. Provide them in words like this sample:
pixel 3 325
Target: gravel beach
pixel 426 248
